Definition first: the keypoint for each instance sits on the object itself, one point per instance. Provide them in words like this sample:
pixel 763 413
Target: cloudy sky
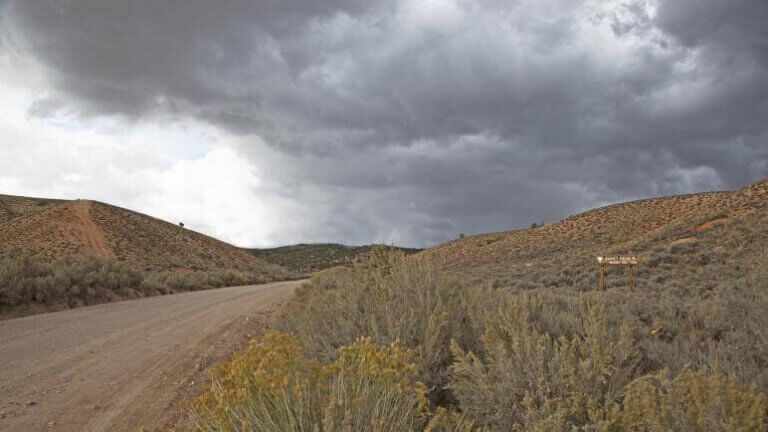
pixel 267 122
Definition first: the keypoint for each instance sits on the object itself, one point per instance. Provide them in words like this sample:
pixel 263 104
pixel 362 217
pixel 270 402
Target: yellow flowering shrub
pixel 272 386
pixel 271 373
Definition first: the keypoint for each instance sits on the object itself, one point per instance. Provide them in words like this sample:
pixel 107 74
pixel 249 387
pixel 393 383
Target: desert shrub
pixel 550 357
pixel 389 298
pixel 691 401
pixel 273 386
pixel 557 361
pixel 309 258
pixel 26 282
pixel 444 420
pixel 529 379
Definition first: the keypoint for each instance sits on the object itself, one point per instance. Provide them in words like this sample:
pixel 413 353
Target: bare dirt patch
pixel 711 224
pixel 685 240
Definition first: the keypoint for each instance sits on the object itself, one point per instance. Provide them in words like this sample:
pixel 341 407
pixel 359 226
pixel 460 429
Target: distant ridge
pixel 308 258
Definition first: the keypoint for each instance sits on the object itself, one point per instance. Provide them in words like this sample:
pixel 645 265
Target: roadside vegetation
pixel 309 258
pixel 275 386
pixel 30 285
pixel 439 354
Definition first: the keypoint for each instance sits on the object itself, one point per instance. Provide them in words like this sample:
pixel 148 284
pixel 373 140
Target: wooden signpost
pixel 628 261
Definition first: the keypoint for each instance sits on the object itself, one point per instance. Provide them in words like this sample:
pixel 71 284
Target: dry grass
pixel 690 401
pixel 58 254
pixel 12 207
pixel 555 360
pixel 158 245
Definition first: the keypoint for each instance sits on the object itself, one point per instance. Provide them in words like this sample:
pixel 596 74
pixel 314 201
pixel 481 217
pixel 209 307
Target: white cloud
pixel 179 170
pixel 220 193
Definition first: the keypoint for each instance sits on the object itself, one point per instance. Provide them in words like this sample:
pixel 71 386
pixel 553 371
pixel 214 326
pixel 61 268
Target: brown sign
pixel 628 261
pixel 617 260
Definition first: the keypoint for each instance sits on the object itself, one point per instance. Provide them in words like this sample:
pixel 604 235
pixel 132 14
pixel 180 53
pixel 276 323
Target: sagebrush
pixel 28 284
pixel 555 358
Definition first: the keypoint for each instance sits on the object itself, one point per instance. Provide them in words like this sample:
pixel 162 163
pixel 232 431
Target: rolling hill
pixel 53 229
pixel 59 254
pixel 676 238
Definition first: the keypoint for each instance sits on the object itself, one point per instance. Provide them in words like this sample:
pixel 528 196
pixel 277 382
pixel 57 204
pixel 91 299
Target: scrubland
pixel 497 332
pixel 508 331
pixel 30 285
pixel 57 254
pixel 442 356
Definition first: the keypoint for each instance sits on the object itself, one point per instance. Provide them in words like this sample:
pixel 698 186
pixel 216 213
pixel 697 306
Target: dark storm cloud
pixel 738 25
pixel 478 116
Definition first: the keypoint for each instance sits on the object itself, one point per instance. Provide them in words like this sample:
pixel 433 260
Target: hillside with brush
pixel 53 229
pixel 57 254
pixel 309 258
pixel 674 237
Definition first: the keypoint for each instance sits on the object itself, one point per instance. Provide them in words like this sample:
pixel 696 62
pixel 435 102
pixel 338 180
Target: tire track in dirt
pixel 92 234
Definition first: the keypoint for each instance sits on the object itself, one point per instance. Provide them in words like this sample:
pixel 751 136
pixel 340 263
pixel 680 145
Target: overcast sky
pixel 283 121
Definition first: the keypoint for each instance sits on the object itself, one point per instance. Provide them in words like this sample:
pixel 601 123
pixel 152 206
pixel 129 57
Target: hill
pixel 52 229
pixel 57 254
pixel 667 232
pixel 309 258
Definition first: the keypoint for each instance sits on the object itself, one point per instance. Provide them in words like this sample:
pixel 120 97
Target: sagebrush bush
pixel 390 298
pixel 531 379
pixel 695 401
pixel 272 386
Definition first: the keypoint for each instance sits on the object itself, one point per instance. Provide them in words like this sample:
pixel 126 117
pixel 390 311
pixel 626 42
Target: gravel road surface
pixel 124 365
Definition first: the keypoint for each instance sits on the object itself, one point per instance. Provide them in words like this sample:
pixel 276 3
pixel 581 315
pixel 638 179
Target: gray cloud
pixel 481 116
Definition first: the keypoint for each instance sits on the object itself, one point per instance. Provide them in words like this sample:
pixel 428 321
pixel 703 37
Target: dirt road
pixel 120 366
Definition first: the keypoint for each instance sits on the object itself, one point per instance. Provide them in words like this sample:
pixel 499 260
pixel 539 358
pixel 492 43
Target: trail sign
pixel 628 261
pixel 617 260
